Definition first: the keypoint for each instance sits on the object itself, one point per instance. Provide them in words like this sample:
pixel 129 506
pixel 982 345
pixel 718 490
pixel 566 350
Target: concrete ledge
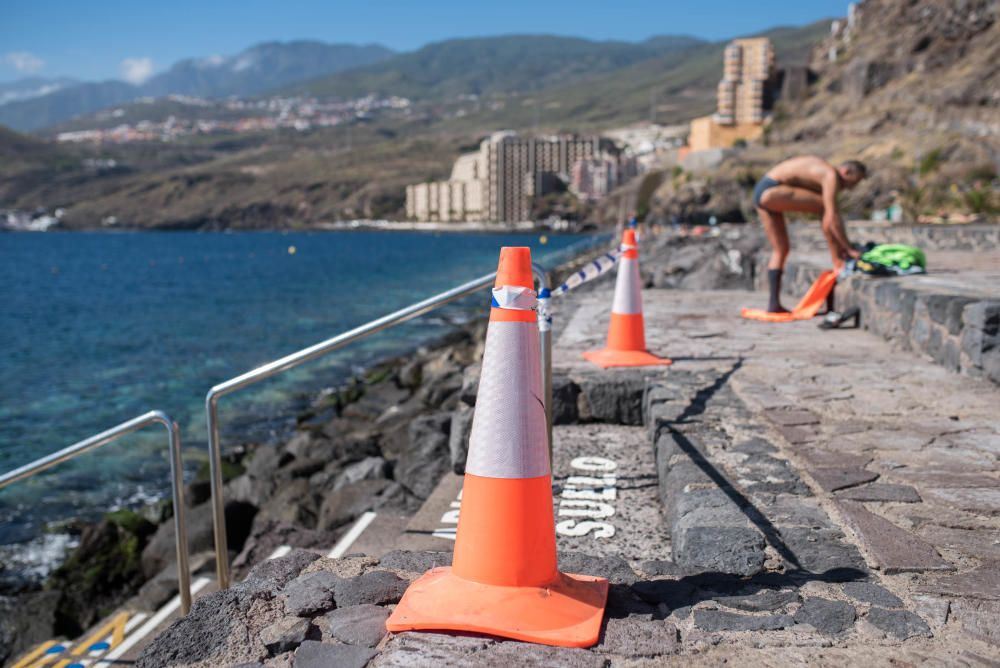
pixel 968 237
pixel 614 398
pixel 708 530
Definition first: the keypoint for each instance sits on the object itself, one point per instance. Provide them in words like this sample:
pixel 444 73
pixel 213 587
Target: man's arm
pixel 832 222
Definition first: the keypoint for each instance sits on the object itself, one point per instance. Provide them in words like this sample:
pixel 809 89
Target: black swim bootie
pixel 774 286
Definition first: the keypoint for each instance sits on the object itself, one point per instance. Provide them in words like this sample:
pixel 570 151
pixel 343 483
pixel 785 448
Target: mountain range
pixel 472 67
pixel 492 65
pixel 261 68
pixel 30 87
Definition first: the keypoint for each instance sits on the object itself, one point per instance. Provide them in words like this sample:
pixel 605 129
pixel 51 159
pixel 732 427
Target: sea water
pixel 96 328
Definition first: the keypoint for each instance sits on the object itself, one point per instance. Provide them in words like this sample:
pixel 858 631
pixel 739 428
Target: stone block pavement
pixel 856 460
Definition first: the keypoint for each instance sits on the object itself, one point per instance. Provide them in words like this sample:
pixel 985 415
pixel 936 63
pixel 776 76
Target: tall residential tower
pixel 744 96
pixel 747 72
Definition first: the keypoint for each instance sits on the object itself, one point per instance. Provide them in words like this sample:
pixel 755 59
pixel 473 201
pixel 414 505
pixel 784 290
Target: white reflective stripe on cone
pixel 628 298
pixel 509 438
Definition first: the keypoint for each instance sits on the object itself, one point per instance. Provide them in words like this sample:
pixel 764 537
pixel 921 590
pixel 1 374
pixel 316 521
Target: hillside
pixel 491 65
pixel 255 70
pixel 913 90
pixel 678 85
pixel 271 181
pixel 18 149
pixel 906 77
pixel 20 154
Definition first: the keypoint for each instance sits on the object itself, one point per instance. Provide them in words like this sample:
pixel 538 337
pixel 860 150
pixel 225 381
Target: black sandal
pixel 834 320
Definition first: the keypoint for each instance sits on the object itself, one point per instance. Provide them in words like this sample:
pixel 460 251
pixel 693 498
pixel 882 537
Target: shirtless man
pixel 806 184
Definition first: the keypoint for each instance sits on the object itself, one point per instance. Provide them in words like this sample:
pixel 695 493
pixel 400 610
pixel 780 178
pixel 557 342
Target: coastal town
pixel 236 116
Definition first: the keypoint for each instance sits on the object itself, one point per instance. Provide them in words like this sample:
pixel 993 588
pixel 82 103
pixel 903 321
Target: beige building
pixel 592 179
pixel 747 71
pixel 458 198
pixel 707 133
pixel 498 182
pixel 743 96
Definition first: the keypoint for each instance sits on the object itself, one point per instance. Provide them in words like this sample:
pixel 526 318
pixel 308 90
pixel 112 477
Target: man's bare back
pixel 804 171
pixel 805 184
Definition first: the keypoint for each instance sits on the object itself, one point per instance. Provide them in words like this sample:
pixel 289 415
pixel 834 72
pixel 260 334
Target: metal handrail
pixel 176 479
pixel 318 350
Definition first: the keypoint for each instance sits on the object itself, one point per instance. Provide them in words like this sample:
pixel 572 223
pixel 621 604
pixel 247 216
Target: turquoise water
pixel 98 328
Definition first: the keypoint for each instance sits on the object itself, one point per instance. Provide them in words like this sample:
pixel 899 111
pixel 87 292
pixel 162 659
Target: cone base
pixel 567 613
pixel 615 358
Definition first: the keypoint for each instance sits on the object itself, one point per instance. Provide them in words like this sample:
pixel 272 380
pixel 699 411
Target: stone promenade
pixel 780 496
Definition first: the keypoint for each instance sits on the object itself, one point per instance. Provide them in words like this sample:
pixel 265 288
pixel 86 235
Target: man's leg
pixel 777 234
pixel 789 198
pixel 778 200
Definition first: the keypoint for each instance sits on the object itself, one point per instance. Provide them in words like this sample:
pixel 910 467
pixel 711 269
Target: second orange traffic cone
pixel 503 580
pixel 627 331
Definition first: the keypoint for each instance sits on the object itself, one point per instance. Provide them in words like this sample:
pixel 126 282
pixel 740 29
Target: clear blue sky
pixel 90 39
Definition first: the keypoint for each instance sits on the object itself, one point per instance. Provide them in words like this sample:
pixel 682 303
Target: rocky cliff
pixel 911 88
pixel 914 89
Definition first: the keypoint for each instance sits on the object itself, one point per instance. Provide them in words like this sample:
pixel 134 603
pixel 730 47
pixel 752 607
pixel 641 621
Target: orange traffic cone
pixel 627 332
pixel 503 580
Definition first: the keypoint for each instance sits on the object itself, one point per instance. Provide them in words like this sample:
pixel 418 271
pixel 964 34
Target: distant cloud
pixel 22 61
pixel 136 70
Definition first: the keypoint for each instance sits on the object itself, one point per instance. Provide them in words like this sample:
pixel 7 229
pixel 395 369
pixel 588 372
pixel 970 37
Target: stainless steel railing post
pixel 545 342
pixel 180 512
pixel 176 478
pixel 215 481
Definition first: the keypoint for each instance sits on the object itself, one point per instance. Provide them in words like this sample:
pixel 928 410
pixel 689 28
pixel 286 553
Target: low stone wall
pixel 959 331
pixel 973 237
pixel 930 237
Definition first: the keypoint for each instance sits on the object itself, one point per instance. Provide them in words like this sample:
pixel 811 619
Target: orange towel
pixel 807 308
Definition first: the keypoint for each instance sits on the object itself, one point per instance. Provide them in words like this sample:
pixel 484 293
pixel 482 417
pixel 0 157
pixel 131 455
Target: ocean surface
pixel 96 328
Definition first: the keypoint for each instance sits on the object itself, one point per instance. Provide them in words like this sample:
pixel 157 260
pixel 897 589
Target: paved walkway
pixel 605 493
pixel 872 450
